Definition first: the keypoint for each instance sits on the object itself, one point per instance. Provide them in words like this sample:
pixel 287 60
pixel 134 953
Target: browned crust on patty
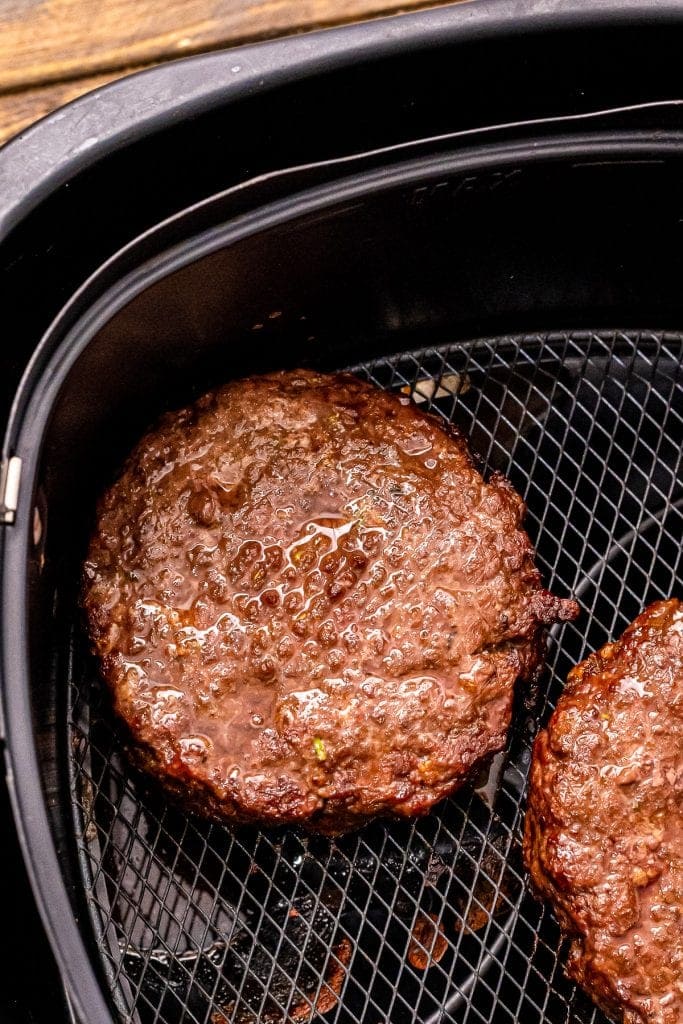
pixel 604 837
pixel 308 604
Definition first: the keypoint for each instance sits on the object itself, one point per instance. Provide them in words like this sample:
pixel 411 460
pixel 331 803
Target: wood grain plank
pixel 44 41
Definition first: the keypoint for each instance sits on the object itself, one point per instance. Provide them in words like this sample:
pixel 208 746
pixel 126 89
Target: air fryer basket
pixel 407 279
pixel 199 923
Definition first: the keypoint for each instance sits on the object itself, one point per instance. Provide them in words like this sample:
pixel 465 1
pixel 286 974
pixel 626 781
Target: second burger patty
pixel 604 827
pixel 309 605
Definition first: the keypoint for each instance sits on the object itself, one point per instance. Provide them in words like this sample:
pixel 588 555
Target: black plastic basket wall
pixel 430 920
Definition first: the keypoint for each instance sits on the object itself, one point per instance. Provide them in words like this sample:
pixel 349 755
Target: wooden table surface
pixel 52 51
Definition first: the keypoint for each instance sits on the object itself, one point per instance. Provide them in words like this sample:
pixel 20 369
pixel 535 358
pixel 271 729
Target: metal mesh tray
pixel 429 920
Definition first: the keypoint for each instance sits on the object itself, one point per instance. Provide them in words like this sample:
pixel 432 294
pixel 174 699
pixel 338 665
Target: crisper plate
pixel 429 920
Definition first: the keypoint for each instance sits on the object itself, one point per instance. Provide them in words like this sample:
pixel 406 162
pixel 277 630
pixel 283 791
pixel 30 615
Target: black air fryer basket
pixel 473 206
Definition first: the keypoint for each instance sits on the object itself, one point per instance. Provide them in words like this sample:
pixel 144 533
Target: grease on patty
pixel 309 605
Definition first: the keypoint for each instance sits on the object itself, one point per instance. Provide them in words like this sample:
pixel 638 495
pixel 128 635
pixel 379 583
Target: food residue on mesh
pixel 308 1004
pixel 330 990
pixel 477 918
pixel 428 943
pixel 487 901
pixel 430 388
pixel 88 804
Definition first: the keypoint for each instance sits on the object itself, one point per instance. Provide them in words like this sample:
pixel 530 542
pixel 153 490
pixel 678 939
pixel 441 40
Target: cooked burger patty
pixel 309 605
pixel 604 828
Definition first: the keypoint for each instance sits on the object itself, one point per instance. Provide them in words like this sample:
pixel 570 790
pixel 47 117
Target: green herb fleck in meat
pixel 319 748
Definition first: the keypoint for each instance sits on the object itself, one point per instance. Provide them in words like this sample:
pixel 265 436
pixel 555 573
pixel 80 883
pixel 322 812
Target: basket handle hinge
pixel 10 478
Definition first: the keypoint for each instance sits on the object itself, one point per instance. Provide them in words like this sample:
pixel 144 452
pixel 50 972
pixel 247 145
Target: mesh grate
pixel 429 920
